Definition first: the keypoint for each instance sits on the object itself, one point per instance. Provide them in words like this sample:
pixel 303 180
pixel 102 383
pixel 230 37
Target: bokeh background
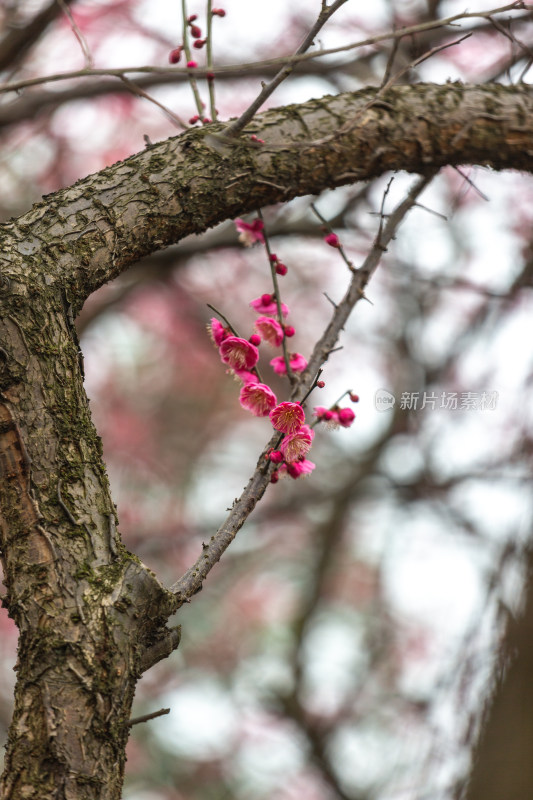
pixel 347 643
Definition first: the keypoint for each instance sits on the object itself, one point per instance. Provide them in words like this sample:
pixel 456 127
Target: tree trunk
pixel 80 600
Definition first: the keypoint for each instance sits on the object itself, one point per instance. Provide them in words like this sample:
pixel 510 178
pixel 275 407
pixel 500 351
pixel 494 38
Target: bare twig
pixel 146 717
pixel 174 118
pixel 89 62
pixel 209 61
pixel 355 291
pixel 231 69
pixel 325 14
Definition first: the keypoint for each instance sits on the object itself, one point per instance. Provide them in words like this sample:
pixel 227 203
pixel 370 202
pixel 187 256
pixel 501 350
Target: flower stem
pixel 188 56
pixel 209 57
pixel 290 374
pixel 329 229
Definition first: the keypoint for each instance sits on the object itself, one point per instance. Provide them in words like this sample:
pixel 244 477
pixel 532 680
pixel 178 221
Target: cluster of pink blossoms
pixel 241 357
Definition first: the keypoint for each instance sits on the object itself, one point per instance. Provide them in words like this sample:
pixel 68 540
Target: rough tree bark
pixel 91 616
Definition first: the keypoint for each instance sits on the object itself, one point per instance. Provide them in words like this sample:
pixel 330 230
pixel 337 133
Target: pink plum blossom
pixel 257 398
pixel 217 331
pixel 296 360
pixel 250 232
pixel 266 304
pixel 270 330
pixel 345 416
pixel 335 417
pixel 325 414
pixel 295 446
pixel 238 353
pixel 287 417
pixel 299 468
pixel 246 376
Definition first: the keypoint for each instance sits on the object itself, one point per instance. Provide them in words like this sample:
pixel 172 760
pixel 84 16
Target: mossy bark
pixel 91 616
pixel 87 610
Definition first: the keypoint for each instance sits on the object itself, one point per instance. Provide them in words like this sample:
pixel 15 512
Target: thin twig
pixel 174 118
pixel 188 56
pixel 226 320
pixel 338 247
pixel 209 60
pixel 236 127
pixel 146 717
pixel 89 61
pixel 277 294
pixel 355 291
pixel 230 69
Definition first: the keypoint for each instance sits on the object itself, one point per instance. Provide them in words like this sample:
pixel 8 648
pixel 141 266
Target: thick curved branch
pixel 92 231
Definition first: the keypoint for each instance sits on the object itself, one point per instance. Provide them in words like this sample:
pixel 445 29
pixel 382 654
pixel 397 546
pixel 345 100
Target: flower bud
pixel 332 239
pixel 175 55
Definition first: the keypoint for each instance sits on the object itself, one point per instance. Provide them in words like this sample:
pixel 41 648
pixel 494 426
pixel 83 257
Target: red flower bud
pixel 192 18
pixel 281 269
pixel 218 12
pixel 255 339
pixel 196 32
pixel 175 55
pixel 354 397
pixel 320 384
pixel 332 239
pixel 199 43
pixel 194 120
pixel 289 330
pixel 267 298
pixel 192 64
pixel 274 478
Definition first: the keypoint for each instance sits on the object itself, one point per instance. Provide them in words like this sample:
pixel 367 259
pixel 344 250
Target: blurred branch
pixel 17 42
pixel 282 61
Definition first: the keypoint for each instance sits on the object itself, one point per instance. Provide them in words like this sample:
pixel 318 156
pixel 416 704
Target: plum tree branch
pixel 192 580
pixel 89 233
